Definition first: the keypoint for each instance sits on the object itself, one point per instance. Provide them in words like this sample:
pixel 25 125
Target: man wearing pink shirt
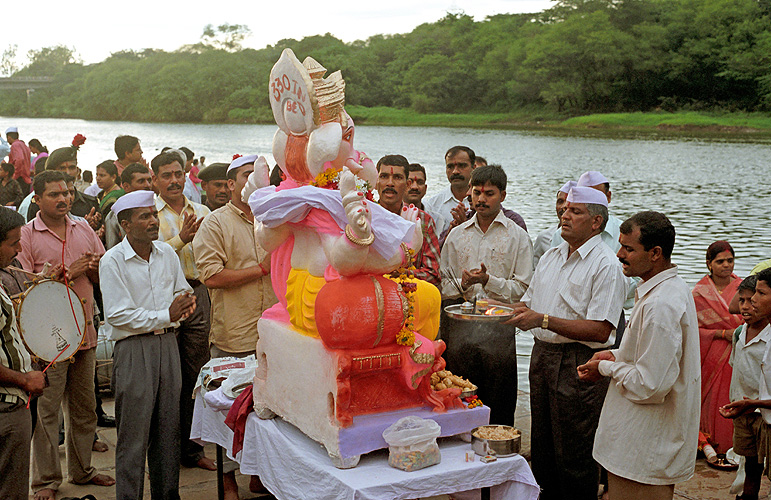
pixel 72 381
pixel 19 157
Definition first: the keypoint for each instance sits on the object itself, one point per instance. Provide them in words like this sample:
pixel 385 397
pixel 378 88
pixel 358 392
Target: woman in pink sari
pixel 712 294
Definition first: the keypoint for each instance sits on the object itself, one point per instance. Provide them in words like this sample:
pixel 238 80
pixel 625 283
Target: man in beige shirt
pixel 236 270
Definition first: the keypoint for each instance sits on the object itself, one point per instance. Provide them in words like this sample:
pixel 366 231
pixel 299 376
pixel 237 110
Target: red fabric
pixel 714 318
pixel 19 157
pixel 236 419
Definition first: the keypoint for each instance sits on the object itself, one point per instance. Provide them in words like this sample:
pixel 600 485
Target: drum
pixel 47 323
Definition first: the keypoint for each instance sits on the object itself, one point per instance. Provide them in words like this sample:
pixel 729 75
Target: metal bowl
pixel 498 447
pixel 455 312
pixel 467 393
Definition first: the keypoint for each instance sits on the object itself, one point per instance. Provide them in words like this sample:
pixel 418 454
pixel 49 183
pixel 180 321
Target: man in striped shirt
pixel 179 221
pixel 17 379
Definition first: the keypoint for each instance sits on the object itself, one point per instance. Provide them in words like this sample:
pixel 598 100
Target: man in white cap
pixel 19 157
pixel 236 270
pixel 544 239
pixel 572 306
pixel 148 297
pixel 179 220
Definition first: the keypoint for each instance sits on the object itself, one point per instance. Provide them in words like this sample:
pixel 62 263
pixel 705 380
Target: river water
pixel 710 189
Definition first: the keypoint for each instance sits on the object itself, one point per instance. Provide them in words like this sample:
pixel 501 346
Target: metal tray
pixel 455 313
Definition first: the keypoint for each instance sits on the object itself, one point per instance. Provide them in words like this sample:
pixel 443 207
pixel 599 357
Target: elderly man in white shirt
pixel 649 426
pixel 459 161
pixel 148 296
pixel 493 257
pixel 572 306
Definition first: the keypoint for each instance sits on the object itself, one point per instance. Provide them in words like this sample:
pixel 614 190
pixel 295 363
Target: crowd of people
pixel 164 255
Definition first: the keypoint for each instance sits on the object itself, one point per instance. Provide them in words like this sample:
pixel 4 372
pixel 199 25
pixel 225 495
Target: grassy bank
pixel 728 123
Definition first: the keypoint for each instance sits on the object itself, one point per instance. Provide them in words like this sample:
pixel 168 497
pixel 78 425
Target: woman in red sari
pixel 712 294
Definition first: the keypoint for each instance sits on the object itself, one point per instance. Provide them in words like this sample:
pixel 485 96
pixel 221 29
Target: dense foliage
pixel 578 57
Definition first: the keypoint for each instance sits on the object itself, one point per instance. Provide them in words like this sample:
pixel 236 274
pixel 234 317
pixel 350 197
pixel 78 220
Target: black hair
pixel 481 159
pixel 128 173
pixel 396 161
pixel 275 176
pixel 88 176
pixel 164 159
pixel 416 167
pixel 748 283
pixel 457 149
pixel 40 164
pixel 493 174
pixel 189 154
pixel 12 135
pixel 765 275
pixel 9 220
pixel 35 143
pixel 655 231
pixel 124 144
pixel 109 167
pixel 233 172
pixel 8 167
pixel 43 178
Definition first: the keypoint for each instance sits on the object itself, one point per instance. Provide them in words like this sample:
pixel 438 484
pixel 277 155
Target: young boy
pixel 748 350
pixel 750 341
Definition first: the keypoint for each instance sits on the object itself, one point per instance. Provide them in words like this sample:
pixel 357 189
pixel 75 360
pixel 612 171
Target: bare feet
pixel 230 486
pixel 256 486
pixel 206 463
pixel 45 494
pixel 99 447
pixel 102 480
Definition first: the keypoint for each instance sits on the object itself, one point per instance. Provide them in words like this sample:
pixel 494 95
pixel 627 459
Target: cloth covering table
pixel 292 466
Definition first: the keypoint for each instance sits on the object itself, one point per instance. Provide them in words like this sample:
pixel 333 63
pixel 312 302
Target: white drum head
pixel 46 322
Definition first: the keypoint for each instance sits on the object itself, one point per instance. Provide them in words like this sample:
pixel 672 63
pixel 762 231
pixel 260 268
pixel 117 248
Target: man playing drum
pixel 148 297
pixel 44 240
pixel 17 379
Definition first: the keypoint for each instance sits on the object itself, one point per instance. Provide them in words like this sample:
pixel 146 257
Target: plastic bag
pixel 412 443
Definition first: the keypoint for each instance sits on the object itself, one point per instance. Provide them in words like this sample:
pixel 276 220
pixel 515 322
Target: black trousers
pixel 193 343
pixel 486 354
pixel 564 416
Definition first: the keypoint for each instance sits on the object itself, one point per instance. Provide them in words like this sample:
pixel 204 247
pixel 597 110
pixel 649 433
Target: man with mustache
pixel 214 183
pixel 391 187
pixel 72 381
pixel 179 221
pixel 544 239
pixel 493 258
pixel 148 297
pixel 649 426
pixel 573 306
pixel 459 162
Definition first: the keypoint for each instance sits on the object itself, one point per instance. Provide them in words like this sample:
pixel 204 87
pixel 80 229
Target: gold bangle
pixel 545 322
pixel 362 242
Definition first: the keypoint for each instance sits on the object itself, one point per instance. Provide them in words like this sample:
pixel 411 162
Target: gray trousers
pixel 15 435
pixel 565 412
pixel 146 381
pixel 193 342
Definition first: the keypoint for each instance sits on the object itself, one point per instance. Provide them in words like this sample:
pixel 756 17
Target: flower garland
pixel 330 179
pixel 406 335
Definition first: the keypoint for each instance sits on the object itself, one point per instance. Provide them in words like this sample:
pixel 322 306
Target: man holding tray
pixel 488 256
pixel 573 306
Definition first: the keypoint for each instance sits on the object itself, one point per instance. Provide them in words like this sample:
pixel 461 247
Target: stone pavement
pixel 197 484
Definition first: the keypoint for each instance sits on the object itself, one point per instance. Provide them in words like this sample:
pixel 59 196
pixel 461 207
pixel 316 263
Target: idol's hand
pixel 356 209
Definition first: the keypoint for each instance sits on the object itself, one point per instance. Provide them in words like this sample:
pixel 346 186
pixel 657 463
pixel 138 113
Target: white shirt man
pixel 648 429
pixel 493 257
pixel 572 306
pixel 459 161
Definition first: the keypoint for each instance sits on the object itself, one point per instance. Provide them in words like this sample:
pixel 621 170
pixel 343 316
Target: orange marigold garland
pixel 330 179
pixel 406 335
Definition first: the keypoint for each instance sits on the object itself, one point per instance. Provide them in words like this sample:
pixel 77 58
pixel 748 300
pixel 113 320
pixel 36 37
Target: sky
pixel 96 28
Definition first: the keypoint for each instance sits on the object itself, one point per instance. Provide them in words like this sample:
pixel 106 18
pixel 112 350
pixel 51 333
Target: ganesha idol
pixel 349 347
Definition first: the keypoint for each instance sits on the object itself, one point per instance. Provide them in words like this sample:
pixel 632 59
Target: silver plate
pixel 455 313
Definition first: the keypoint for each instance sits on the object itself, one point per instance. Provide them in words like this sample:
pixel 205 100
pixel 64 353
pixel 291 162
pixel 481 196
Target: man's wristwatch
pixel 545 322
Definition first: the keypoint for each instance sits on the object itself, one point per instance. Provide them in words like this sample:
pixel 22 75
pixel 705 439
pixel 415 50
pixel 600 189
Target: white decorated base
pixel 296 380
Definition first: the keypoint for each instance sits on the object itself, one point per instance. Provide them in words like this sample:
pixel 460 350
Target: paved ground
pixel 197 484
